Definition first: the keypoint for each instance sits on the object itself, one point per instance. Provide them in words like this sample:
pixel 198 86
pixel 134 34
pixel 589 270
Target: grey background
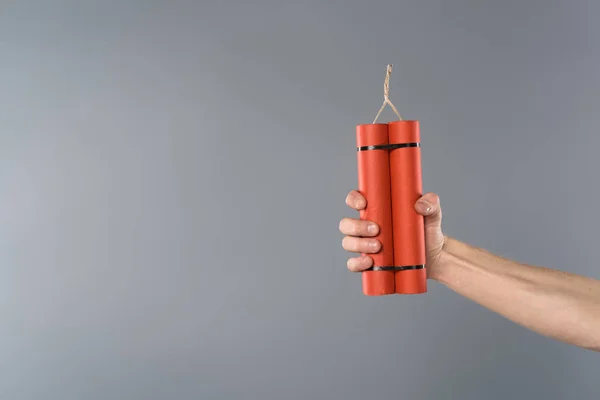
pixel 172 175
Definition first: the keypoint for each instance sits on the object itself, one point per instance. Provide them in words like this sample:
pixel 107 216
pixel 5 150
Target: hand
pixel 360 234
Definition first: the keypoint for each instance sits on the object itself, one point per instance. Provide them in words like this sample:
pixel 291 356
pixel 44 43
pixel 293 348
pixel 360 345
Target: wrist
pixel 440 262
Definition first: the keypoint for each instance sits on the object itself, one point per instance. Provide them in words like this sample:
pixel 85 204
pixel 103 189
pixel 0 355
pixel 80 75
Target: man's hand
pixel 360 234
pixel 556 304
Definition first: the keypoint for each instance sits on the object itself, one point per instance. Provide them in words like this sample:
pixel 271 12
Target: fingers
pixel 359 234
pixel 356 200
pixel 357 227
pixel 359 264
pixel 429 206
pixel 361 245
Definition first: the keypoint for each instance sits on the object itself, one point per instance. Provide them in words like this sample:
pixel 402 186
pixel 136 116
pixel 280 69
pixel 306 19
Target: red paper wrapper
pixel 406 189
pixel 374 184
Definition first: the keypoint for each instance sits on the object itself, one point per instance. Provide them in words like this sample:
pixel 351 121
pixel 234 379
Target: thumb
pixel 429 206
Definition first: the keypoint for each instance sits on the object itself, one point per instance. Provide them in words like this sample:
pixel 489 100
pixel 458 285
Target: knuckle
pixel 351 198
pixel 354 228
pixel 347 243
pixel 350 226
pixel 351 264
pixel 434 198
pixel 346 226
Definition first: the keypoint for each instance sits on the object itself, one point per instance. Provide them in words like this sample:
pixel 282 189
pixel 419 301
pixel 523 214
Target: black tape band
pixel 381 269
pixel 401 268
pixel 388 146
pixel 401 145
pixel 377 147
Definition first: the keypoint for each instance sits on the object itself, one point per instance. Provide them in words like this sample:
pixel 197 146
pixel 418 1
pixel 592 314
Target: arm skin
pixel 556 304
pixel 552 303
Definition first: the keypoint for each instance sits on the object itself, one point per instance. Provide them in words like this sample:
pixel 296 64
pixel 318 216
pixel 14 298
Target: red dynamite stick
pixel 406 189
pixel 374 184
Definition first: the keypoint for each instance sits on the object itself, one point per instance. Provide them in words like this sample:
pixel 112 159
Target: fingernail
pixel 372 228
pixel 374 245
pixel 424 206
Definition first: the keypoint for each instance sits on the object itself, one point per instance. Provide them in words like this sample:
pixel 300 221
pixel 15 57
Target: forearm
pixel 556 304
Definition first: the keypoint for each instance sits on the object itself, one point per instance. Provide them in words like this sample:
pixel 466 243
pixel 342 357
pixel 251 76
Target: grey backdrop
pixel 172 175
